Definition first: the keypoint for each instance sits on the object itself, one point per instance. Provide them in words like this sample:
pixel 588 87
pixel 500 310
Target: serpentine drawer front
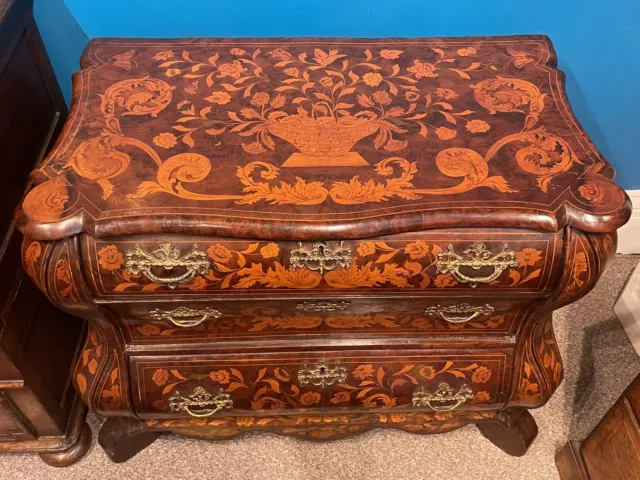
pixel 336 382
pixel 316 237
pixel 185 322
pixel 473 263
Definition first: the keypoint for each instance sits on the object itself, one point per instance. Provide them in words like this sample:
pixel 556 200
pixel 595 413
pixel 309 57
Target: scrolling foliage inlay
pixel 305 124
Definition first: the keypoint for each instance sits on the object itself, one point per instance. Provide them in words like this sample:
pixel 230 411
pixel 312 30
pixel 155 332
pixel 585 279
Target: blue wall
pixel 598 42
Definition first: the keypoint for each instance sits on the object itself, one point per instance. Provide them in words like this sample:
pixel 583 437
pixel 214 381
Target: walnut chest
pixel 317 237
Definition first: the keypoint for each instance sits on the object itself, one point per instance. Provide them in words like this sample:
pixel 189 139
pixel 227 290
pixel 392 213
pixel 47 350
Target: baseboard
pixel 629 235
pixel 627 309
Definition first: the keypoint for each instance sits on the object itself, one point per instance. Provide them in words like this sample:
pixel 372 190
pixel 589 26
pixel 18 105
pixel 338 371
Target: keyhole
pixel 322 369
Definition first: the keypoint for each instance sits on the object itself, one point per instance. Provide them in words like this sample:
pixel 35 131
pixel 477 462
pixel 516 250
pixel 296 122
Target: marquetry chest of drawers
pixel 317 237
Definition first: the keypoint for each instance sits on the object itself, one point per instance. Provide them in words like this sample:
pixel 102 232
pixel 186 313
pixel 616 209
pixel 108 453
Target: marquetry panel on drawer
pixel 251 320
pixel 335 381
pixel 439 262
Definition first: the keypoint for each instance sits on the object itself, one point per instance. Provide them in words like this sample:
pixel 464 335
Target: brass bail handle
pixel 185 317
pixel 167 256
pixel 460 313
pixel 444 394
pixel 200 398
pixel 475 257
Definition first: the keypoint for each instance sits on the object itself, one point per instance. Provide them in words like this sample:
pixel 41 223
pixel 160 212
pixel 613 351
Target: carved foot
pixel 122 438
pixel 512 431
pixel 72 454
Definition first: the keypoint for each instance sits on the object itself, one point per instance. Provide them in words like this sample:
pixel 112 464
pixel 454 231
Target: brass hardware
pixel 477 257
pixel 321 374
pixel 200 398
pixel 184 316
pixel 321 258
pixel 168 257
pixel 469 312
pixel 444 393
pixel 323 306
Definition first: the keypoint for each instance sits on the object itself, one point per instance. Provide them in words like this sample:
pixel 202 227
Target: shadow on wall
pixel 64 39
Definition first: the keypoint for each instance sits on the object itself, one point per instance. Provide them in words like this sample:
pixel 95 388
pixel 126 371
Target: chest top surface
pixel 303 138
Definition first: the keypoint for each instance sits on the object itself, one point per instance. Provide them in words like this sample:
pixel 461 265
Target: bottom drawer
pixel 210 385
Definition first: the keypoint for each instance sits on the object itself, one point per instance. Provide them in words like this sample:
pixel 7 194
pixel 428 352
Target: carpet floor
pixel 599 363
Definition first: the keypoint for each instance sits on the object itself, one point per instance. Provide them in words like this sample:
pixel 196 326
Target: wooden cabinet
pixel 612 449
pixel 318 237
pixel 39 344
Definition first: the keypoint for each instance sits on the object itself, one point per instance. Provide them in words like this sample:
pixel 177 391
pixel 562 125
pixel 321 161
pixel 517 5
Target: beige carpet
pixel 599 362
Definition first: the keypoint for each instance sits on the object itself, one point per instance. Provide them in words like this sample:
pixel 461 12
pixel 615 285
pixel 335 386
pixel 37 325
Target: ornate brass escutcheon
pixel 476 257
pixel 459 313
pixel 321 374
pixel 167 256
pixel 184 316
pixel 200 399
pixel 444 394
pixel 323 306
pixel 321 257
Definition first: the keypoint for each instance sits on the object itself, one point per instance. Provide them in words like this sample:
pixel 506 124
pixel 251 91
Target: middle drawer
pixel 233 320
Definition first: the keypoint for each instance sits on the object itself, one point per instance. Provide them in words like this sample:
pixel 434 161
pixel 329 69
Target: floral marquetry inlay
pixel 324 129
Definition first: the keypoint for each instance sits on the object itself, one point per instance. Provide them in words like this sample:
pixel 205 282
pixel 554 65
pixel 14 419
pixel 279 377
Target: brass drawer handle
pixel 200 398
pixel 321 374
pixel 323 306
pixel 321 257
pixel 184 316
pixel 444 394
pixel 167 256
pixel 476 257
pixel 452 313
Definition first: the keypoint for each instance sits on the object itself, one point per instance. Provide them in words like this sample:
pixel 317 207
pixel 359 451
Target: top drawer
pixel 440 262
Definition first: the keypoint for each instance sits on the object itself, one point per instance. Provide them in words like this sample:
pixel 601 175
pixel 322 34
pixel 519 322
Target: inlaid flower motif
pixel 172 72
pixel 260 99
pixel 237 51
pixel 310 398
pixel 411 96
pixel 198 283
pixel 253 147
pixel 220 376
pixel 445 133
pixel 244 421
pixel 528 256
pixel 390 54
pixel 326 82
pixel 280 54
pixel 580 264
pixel 160 377
pixel 81 382
pixel 557 373
pixel 427 372
pixel 363 371
pixel 221 98
pixel 379 399
pixel 165 140
pixel 270 250
pixel 233 69
pixel 382 97
pixel 165 55
pixel 63 271
pixel 326 58
pixel 591 191
pixel 481 375
pixel 527 390
pixel 417 249
pixel 92 366
pixel 372 79
pixel 446 93
pixel 465 52
pixel 110 258
pixel 398 417
pixel 292 71
pixel 148 329
pixel 219 253
pixel 477 126
pixel 443 281
pixel 366 248
pixel 340 397
pixel 482 397
pixel 423 69
pixel 394 145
